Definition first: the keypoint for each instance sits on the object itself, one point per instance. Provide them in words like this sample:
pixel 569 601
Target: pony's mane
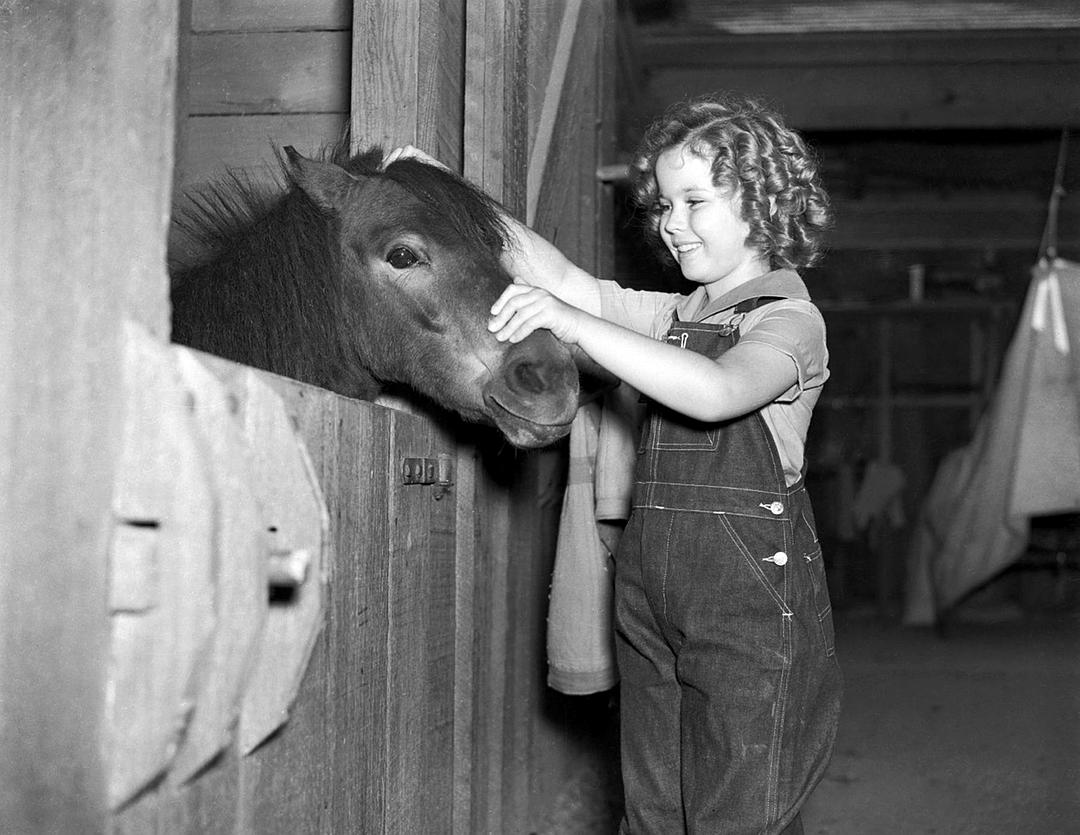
pixel 215 214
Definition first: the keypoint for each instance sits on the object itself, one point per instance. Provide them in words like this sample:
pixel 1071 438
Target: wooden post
pixel 87 164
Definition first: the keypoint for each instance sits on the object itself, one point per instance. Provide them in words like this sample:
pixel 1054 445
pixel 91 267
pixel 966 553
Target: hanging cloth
pixel 1024 458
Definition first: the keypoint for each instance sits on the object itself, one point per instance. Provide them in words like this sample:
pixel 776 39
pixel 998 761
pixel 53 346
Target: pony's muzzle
pixel 535 390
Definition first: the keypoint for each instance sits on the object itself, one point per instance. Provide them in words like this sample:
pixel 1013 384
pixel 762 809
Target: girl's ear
pixel 325 183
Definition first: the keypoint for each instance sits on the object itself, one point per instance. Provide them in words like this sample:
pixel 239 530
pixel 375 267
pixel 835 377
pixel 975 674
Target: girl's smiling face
pixel 701 224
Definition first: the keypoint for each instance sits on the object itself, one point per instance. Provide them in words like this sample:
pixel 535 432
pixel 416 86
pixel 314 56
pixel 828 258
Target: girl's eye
pixel 401 257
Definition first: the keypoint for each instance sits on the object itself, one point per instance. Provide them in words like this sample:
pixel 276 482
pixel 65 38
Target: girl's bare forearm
pixel 686 381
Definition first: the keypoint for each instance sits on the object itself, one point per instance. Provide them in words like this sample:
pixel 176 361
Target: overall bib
pixel 724 634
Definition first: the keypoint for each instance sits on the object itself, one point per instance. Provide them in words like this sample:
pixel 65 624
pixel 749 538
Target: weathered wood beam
pixel 269 15
pixel 269 72
pixel 893 80
pixel 552 97
pixel 667 47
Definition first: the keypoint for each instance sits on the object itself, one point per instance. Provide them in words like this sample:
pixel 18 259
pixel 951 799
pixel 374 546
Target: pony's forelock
pixel 473 214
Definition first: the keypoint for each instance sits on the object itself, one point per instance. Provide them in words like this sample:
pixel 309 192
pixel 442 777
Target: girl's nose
pixel 673 221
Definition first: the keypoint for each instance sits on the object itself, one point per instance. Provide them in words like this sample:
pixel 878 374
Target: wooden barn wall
pixel 259 73
pixel 422 705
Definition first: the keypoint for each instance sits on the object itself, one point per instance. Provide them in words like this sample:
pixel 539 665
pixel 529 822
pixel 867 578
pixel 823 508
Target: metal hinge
pixel 428 470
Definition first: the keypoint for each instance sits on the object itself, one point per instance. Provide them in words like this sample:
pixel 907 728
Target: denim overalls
pixel 724 635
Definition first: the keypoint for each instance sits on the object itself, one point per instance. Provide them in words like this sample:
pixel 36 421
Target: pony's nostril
pixel 530 377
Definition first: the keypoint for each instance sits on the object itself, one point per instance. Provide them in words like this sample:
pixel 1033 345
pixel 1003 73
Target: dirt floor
pixel 973 730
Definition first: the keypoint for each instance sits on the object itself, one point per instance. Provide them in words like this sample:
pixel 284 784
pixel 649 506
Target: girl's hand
pixel 411 152
pixel 521 309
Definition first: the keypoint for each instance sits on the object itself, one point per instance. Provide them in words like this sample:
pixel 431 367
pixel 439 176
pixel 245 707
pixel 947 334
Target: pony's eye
pixel 401 257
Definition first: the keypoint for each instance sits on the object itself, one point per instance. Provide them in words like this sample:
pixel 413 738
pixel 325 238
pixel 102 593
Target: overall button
pixel 779 558
pixel 775 508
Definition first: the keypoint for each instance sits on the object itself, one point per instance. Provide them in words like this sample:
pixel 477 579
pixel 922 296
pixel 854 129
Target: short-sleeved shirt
pixel 792 325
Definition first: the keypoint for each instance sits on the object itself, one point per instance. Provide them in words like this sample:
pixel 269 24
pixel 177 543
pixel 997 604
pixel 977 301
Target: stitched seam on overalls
pixel 667 567
pixel 772 791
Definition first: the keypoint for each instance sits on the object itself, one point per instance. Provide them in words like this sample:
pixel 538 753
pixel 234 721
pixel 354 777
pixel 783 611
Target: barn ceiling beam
pixel 883 80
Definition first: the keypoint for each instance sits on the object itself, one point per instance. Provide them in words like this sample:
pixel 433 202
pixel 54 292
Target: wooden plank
pixel 493 623
pixel 484 113
pixel 420 641
pixel 359 617
pixel 541 33
pixel 272 72
pixel 495 145
pixel 941 95
pixel 385 93
pixel 269 15
pixel 86 168
pixel 218 143
pixel 441 79
pixel 284 784
pixel 494 156
pixel 466 583
pixel 524 647
pixel 575 153
pixel 608 95
pixel 553 94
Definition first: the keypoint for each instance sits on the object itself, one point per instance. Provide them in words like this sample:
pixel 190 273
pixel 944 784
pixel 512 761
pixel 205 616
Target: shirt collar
pixel 783 283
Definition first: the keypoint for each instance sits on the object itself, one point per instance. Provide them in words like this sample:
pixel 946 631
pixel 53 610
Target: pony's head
pixel 414 252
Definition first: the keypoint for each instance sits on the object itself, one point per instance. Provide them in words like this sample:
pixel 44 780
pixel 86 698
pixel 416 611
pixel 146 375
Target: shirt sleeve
pixel 795 328
pixel 644 311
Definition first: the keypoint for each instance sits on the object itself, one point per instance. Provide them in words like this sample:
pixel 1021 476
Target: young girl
pixel 730 689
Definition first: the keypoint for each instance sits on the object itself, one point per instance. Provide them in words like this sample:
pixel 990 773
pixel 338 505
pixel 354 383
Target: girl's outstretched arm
pixel 743 379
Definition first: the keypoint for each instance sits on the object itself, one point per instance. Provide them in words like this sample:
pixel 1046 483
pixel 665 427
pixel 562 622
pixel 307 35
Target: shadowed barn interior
pixel 944 131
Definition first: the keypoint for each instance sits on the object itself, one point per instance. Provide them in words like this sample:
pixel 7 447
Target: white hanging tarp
pixel 1023 461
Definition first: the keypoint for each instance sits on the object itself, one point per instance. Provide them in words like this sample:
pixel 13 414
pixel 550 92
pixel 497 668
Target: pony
pixel 361 280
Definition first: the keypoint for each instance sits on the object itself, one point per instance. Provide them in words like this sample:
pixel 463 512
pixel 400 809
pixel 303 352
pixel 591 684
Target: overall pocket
pixel 669 430
pixel 759 550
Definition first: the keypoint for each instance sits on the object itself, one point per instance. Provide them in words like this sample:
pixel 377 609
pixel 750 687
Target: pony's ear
pixel 325 183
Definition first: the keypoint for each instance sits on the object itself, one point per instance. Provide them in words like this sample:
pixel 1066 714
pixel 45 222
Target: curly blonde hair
pixel 752 151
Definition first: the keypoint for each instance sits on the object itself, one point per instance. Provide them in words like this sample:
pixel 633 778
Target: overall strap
pixel 742 308
pixel 747 305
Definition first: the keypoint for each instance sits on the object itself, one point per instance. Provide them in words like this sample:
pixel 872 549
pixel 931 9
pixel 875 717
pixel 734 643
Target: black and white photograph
pixel 539 417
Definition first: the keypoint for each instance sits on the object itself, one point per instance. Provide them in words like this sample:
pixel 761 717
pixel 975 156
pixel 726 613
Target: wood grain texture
pixel 269 15
pixel 269 72
pixel 217 144
pixel 386 93
pixel 86 166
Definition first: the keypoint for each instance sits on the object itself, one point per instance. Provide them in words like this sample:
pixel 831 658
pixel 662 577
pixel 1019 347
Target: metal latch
pixel 428 471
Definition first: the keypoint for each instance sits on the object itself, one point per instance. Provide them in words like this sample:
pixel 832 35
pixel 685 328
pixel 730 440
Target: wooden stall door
pixel 86 167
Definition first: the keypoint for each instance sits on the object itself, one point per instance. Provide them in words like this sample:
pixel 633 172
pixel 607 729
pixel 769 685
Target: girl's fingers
pixel 512 291
pixel 515 319
pixel 411 152
pixel 520 325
